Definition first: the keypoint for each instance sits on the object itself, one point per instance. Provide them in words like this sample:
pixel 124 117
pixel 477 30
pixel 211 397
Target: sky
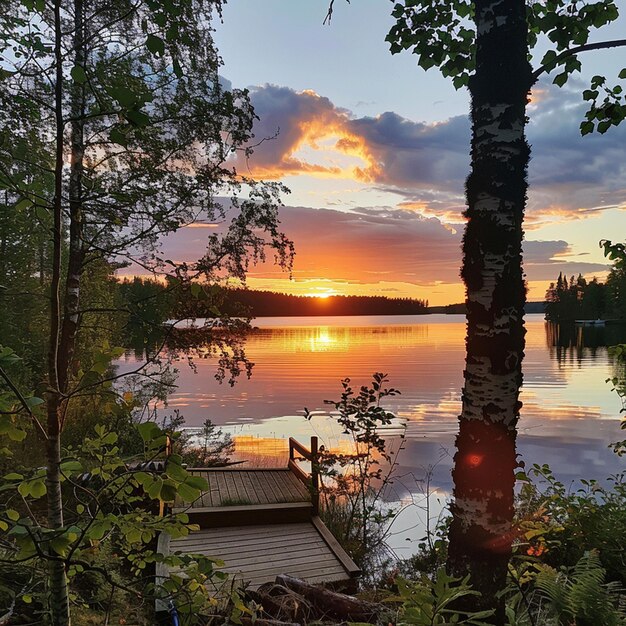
pixel 375 153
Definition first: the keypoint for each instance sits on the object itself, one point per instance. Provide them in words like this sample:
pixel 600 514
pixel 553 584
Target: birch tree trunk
pixel 69 326
pixel 59 599
pixel 485 461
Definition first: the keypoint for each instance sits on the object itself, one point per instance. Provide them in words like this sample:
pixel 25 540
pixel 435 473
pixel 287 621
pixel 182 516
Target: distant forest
pixel 579 299
pixel 158 301
pixel 269 303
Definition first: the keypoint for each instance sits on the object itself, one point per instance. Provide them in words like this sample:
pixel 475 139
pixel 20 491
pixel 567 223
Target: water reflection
pixel 577 342
pixel 568 419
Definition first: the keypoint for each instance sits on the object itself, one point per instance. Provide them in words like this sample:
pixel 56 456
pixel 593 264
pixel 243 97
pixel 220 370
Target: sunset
pixel 377 184
pixel 312 313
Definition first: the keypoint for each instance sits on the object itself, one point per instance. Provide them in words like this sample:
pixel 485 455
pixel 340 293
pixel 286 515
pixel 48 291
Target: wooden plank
pixel 230 492
pixel 241 531
pixel 207 496
pixel 247 485
pixel 301 557
pixel 161 571
pixel 298 447
pixel 333 544
pixel 296 544
pixel 213 488
pixel 271 487
pixel 276 566
pixel 228 546
pixel 251 509
pixel 258 489
pixel 298 472
pixel 248 515
pixel 259 537
pixel 242 494
pixel 262 553
pixel 267 486
pixel 298 486
pixel 278 486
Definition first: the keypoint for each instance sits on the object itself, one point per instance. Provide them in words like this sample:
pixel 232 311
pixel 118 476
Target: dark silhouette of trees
pixel 152 301
pixel 579 299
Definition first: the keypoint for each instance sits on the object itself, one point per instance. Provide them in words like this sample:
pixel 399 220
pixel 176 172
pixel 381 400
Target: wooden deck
pixel 248 487
pixel 257 554
pixel 263 522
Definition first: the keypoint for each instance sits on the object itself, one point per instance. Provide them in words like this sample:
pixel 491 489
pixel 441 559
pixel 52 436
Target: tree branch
pixel 23 402
pixel 615 43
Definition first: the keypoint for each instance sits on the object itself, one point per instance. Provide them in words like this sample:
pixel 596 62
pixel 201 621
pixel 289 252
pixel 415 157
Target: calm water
pixel 568 419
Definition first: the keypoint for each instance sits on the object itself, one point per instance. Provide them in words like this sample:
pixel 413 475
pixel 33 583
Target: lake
pixel 568 419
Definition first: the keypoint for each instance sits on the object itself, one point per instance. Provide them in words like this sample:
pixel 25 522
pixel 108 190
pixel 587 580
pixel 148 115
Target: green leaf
pixel 68 467
pixel 33 401
pixel 149 431
pixel 175 471
pixel 13 476
pixel 60 544
pixel 118 137
pixel 586 128
pixel 187 492
pixel 99 367
pixel 38 488
pixel 110 438
pixel 168 491
pixel 24 203
pixel 154 489
pixel 137 118
pixel 622 74
pixel 12 515
pixel 123 95
pixel 78 74
pixel 155 44
pixel 197 482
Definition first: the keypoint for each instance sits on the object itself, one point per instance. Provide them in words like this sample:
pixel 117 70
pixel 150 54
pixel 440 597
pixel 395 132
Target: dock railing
pixel 312 481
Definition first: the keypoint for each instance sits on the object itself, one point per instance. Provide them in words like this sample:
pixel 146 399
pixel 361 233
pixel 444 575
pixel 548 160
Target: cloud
pixel 382 247
pixel 571 177
pixel 543 260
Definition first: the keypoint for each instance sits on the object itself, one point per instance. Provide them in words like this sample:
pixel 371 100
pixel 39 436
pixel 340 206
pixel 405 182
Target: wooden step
pixel 248 515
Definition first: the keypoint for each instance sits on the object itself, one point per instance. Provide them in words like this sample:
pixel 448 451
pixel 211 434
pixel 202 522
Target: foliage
pixel 115 131
pixel 578 299
pixel 353 482
pixel 111 508
pixel 616 282
pixel 579 595
pixel 559 525
pixel 427 602
pixel 207 447
pixel 443 35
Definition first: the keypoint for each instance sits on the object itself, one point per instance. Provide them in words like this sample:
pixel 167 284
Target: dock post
pixel 315 477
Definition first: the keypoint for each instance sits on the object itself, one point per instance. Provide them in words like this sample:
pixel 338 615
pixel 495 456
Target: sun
pixel 320 295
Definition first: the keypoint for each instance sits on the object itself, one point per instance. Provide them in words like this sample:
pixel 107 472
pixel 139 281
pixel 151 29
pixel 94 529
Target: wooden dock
pixel 263 522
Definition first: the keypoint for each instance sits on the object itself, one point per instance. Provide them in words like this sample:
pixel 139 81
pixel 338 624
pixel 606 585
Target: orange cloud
pixel 309 132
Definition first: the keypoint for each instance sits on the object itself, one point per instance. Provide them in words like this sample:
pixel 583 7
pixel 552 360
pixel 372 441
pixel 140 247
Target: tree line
pixel 157 303
pixel 581 299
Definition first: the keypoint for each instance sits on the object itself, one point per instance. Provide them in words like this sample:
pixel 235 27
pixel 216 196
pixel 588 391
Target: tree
pixel 485 45
pixel 115 129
